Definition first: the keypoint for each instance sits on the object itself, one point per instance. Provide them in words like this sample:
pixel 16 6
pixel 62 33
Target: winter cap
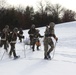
pixel 52 24
pixel 15 29
pixel 6 26
pixel 5 30
pixel 33 26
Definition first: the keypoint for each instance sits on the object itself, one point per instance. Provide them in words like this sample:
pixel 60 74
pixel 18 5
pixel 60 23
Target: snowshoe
pixel 16 57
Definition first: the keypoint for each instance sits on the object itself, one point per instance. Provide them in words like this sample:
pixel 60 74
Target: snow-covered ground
pixel 32 63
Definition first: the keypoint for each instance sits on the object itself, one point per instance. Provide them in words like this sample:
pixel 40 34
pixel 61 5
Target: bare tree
pixel 68 15
pixel 55 10
pixel 41 6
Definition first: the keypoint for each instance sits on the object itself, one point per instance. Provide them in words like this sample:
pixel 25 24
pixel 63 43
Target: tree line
pixel 24 18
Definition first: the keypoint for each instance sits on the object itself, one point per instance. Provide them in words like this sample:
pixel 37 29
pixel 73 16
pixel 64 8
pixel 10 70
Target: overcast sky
pixel 70 4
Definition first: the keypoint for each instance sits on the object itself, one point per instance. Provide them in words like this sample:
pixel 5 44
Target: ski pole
pixel 24 49
pixel 54 50
pixel 2 55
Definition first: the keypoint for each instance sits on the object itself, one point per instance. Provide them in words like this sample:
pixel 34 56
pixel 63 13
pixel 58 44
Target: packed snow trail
pixel 33 63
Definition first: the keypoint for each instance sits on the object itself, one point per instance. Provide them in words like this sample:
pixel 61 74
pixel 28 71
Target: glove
pixel 42 36
pixel 23 37
pixel 56 39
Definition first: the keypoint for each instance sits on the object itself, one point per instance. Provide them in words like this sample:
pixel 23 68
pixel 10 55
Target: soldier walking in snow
pixel 49 32
pixel 32 33
pixel 34 37
pixel 12 40
pixel 20 35
pixel 4 37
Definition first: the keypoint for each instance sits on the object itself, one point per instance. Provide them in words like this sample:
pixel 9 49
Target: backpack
pixel 27 41
pixel 38 43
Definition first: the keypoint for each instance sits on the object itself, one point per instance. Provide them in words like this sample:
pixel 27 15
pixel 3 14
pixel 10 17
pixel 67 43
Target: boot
pixel 45 57
pixel 37 47
pixel 33 48
pixel 16 57
pixel 48 55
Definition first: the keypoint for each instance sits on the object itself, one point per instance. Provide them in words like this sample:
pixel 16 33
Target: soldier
pixel 49 32
pixel 20 35
pixel 36 38
pixel 12 40
pixel 8 30
pixel 8 33
pixel 32 33
pixel 4 37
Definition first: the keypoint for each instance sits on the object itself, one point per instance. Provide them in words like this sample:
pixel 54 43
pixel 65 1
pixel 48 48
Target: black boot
pixel 16 57
pixel 48 55
pixel 37 47
pixel 33 48
pixel 45 57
